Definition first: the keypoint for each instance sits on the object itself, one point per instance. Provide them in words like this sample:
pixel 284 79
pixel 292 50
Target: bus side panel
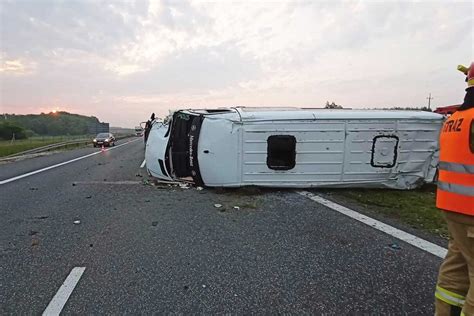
pixel 360 135
pixel 351 153
pixel 414 157
pixel 419 149
pixel 319 152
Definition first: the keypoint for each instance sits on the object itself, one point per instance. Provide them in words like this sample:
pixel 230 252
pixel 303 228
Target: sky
pixel 123 60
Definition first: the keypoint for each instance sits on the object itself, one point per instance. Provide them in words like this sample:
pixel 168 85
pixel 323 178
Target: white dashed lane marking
pixel 62 295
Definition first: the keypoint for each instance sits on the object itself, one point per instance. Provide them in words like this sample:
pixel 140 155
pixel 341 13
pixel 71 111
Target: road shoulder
pixel 380 213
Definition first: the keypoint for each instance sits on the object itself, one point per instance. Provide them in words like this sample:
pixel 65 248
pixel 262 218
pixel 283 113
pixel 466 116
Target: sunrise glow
pixel 196 54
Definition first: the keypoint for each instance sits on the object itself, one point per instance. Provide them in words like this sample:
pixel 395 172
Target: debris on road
pixel 89 197
pixel 34 242
pixel 138 175
pixel 155 223
pixel 33 189
pixel 174 183
pixel 184 185
pixel 236 207
pixel 41 217
pixel 218 205
pixel 395 246
pixel 77 222
pixel 199 188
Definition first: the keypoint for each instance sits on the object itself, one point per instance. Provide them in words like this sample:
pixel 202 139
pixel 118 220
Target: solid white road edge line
pixel 59 300
pixel 395 232
pixel 60 164
pixel 143 163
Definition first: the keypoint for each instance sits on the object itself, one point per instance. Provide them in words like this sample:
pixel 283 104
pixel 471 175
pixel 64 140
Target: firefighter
pixel 455 288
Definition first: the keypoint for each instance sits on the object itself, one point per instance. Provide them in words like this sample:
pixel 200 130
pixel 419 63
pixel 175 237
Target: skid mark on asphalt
pixel 124 182
pixel 62 295
pixel 61 164
pixel 395 232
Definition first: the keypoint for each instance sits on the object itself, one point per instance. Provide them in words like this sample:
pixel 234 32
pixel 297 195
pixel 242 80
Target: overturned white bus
pixel 293 147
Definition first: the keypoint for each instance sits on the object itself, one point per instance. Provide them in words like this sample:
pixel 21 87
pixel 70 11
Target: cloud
pixel 16 67
pixel 141 56
pixel 123 69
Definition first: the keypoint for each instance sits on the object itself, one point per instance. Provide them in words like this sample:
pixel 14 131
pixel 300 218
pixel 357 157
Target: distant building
pixel 96 128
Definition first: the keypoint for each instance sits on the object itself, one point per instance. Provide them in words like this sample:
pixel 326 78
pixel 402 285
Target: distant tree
pixel 59 123
pixel 29 133
pixel 332 105
pixel 8 130
pixel 407 108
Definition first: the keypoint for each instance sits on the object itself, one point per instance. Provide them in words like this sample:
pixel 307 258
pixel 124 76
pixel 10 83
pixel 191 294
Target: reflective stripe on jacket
pixel 456 166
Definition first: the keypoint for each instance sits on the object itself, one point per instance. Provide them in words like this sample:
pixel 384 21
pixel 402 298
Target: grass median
pixel 416 208
pixel 8 147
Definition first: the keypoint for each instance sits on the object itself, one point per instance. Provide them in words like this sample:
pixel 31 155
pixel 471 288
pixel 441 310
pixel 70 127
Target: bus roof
pixel 294 113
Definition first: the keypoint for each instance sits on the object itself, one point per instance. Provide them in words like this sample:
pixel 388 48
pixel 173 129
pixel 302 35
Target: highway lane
pixel 38 238
pixel 155 250
pixel 23 166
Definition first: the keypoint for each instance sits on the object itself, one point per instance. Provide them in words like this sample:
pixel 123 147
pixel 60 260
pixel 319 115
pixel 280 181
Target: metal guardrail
pixel 47 147
pixel 55 146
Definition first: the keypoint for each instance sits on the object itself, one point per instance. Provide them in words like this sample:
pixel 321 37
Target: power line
pixel 429 101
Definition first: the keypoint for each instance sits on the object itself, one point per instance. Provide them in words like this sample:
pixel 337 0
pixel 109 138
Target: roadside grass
pixel 8 147
pixel 416 208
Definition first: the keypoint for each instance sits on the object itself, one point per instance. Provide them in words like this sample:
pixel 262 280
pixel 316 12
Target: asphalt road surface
pixel 164 249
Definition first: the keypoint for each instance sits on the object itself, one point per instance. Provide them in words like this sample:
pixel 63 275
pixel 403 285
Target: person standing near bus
pixel 455 196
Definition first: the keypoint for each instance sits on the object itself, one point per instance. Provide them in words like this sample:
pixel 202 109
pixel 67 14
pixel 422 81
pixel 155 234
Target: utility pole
pixel 429 101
